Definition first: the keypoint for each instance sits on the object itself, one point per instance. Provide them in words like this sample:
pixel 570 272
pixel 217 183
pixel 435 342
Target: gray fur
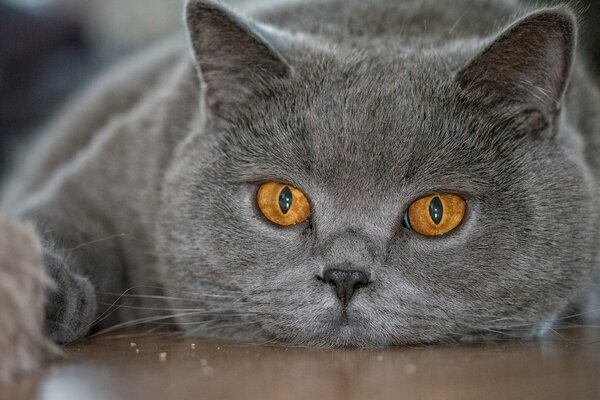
pixel 365 106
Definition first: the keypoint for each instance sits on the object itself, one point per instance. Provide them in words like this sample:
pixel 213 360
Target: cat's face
pixel 363 137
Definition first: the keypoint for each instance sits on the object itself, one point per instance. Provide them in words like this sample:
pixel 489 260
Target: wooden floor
pixel 155 367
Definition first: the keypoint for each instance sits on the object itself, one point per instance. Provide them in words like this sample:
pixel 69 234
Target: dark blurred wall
pixel 29 46
pixel 591 33
pixel 43 59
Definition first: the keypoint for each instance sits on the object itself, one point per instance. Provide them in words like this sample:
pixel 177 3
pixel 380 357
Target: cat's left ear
pixel 527 67
pixel 234 57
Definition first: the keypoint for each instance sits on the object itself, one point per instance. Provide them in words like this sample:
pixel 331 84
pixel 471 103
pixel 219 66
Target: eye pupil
pixel 436 210
pixel 285 199
pixel 406 221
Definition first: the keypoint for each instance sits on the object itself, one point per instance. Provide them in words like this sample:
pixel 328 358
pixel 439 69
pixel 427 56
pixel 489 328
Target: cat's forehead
pixel 367 123
pixel 373 99
pixel 371 115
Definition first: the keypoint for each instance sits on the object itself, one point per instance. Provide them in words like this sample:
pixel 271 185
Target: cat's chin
pixel 349 336
pixel 342 336
pixel 353 331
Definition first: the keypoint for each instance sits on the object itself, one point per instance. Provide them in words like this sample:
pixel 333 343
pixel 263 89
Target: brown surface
pixel 111 368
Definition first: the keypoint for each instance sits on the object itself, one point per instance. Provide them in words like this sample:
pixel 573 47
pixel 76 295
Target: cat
pixel 322 173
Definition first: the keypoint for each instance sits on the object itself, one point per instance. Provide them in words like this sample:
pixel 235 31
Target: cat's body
pixel 147 185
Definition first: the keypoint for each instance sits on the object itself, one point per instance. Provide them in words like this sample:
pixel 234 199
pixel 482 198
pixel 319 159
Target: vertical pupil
pixel 436 210
pixel 285 200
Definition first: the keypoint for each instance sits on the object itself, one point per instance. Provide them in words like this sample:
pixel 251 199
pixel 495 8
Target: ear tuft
pixel 234 59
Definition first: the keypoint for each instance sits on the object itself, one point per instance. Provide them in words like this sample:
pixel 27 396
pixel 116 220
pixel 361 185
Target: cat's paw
pixel 23 284
pixel 71 306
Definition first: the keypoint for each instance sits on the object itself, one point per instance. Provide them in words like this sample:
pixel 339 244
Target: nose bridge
pixel 350 250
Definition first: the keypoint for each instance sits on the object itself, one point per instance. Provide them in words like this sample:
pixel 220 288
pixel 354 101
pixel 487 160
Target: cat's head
pixel 364 133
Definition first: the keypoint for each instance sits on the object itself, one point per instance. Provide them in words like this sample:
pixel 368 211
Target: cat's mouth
pixel 344 320
pixel 347 329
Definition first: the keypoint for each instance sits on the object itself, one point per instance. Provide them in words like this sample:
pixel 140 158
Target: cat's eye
pixel 283 204
pixel 435 215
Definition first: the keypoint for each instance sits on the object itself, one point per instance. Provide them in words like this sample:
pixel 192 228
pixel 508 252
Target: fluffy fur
pixel 148 186
pixel 23 284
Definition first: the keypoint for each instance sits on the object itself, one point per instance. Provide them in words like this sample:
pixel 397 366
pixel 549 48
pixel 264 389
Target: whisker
pixel 140 321
pixel 217 327
pixel 561 336
pixel 162 308
pixel 159 297
pixel 108 312
pixel 104 239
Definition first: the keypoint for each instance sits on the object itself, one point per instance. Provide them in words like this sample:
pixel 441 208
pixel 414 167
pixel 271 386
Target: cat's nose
pixel 345 282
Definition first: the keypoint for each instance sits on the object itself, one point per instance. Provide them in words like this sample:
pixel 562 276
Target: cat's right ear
pixel 235 60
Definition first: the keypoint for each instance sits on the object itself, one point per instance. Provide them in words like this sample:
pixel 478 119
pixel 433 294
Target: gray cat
pixel 327 173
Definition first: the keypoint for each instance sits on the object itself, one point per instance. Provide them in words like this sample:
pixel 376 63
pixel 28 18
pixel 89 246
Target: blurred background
pixel 50 48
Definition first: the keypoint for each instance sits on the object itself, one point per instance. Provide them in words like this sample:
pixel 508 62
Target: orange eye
pixel 435 215
pixel 283 204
